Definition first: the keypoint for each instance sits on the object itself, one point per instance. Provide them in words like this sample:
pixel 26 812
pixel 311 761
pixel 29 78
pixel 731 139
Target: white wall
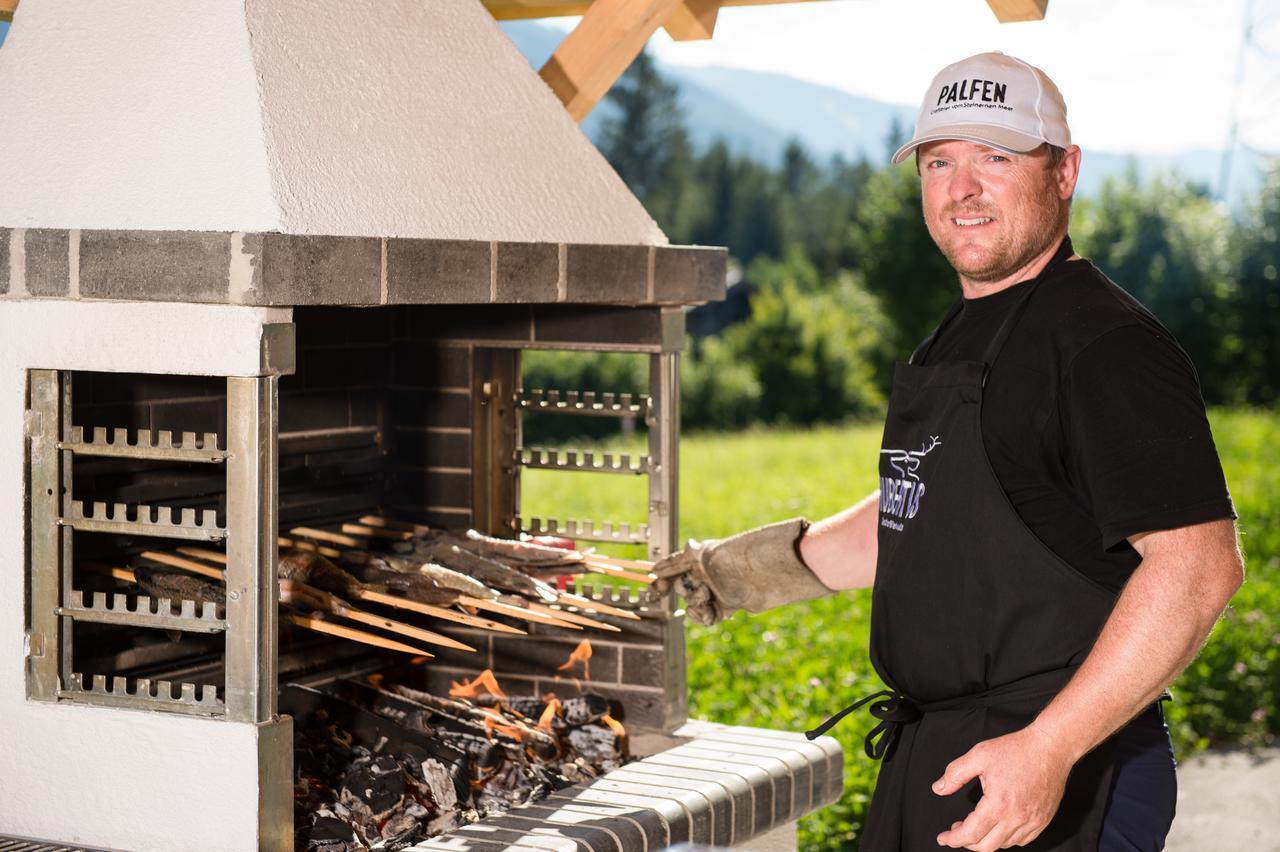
pixel 408 118
pixel 122 779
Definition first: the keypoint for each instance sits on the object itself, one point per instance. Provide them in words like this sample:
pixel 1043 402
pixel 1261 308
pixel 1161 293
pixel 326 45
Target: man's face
pixel 993 213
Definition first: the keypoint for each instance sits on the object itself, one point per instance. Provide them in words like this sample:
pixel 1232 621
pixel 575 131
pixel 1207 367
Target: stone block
pixel 600 274
pixel 684 274
pixel 602 325
pixel 527 272
pixel 48 272
pixel 438 271
pixel 295 269
pixel 644 667
pixel 540 658
pixel 168 266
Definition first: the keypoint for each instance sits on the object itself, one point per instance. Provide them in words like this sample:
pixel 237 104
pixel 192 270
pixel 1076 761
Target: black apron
pixel 975 624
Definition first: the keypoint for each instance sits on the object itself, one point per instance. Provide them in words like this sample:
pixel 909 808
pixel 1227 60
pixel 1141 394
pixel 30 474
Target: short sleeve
pixel 1140 439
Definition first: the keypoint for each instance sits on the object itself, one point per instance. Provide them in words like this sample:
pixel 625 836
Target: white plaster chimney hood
pixel 374 118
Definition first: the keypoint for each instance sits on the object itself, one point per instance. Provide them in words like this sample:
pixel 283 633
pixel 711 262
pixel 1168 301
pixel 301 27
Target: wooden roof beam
pixel 610 35
pixel 1011 11
pixel 693 20
pixel 6 9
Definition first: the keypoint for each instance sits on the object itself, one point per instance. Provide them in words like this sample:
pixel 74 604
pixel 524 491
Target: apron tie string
pixel 893 711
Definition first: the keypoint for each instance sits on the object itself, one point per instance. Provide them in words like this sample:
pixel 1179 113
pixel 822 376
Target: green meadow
pixel 792 667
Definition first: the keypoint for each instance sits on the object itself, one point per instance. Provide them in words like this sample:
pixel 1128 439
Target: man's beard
pixel 1012 251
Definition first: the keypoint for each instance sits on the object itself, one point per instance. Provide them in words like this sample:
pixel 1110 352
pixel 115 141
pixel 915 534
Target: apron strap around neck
pixel 1011 321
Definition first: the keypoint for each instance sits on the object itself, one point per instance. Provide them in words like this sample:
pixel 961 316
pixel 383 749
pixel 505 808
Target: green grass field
pixel 792 667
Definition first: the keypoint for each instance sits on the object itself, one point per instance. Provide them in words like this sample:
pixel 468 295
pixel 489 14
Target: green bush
pixel 718 390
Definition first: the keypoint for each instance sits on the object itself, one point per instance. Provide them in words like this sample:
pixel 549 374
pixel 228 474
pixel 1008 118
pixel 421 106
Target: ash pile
pixel 381 765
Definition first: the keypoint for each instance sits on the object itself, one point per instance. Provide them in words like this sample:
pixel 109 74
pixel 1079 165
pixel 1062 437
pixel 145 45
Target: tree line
pixel 836 276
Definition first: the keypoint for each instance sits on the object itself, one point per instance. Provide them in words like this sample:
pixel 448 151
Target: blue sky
pixel 1139 75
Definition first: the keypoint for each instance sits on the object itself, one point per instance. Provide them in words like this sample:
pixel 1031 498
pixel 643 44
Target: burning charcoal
pixel 377 788
pixel 327 833
pixel 585 709
pixel 529 706
pixel 595 743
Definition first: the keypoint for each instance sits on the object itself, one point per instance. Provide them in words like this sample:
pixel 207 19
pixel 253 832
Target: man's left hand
pixel 1022 774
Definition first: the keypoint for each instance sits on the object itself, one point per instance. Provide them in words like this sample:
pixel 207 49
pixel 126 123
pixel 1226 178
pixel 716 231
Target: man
pixel 1053 538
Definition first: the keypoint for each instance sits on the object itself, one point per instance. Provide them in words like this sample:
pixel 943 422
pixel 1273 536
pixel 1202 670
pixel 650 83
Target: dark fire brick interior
pixel 377 418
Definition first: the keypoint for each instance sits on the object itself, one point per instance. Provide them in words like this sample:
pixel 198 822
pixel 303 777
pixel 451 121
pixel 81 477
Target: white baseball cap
pixel 995 100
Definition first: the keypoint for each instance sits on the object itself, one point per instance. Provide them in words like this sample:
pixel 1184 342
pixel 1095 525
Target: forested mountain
pixel 756 112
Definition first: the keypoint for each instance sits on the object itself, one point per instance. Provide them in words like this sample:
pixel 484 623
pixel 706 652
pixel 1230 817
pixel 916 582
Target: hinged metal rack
pixel 498 455
pixel 248 618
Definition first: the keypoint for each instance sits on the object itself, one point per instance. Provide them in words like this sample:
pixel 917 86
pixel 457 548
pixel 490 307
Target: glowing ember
pixel 581 656
pixel 485 683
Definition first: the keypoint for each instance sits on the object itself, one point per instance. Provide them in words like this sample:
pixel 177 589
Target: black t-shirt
pixel 1092 418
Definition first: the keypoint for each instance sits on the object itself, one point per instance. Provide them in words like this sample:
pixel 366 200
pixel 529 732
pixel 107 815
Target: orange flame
pixel 615 726
pixel 494 722
pixel 484 683
pixel 581 656
pixel 550 712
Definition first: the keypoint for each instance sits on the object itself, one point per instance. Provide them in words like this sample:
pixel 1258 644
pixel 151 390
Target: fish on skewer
pixel 315 570
pixel 478 595
pixel 417 587
pixel 453 551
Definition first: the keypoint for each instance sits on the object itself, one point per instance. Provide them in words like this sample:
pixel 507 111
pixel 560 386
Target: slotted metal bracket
pixel 44 420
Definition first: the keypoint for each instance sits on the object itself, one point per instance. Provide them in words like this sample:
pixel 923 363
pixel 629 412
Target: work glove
pixel 756 570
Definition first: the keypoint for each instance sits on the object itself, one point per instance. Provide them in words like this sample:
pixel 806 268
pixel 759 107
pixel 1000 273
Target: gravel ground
pixel 1228 802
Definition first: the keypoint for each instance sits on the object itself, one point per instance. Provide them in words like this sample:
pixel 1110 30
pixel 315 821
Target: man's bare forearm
pixel 841 550
pixel 1160 621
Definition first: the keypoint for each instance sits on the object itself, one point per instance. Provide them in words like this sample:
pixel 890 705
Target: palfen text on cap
pixel 992 99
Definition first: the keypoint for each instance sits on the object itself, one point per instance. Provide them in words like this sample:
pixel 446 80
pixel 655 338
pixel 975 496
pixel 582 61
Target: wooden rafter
pixel 610 35
pixel 1012 11
pixel 693 20
pixel 6 9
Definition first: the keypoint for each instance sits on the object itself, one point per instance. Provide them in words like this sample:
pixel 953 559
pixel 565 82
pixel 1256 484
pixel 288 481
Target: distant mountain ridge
pixel 756 112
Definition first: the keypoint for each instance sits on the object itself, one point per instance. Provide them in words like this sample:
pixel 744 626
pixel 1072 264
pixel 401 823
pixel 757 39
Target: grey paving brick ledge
pixel 289 269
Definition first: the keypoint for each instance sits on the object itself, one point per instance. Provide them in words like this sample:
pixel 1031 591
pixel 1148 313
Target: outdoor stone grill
pixel 207 338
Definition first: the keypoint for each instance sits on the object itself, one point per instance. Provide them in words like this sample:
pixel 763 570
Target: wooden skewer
pixel 185 564
pixel 299 544
pixel 377 532
pixel 204 553
pixel 642 565
pixel 593 564
pixel 379 521
pixel 436 611
pixel 325 535
pixel 114 572
pixel 402 628
pixel 321 626
pixel 574 617
pixel 552 618
pixel 596 606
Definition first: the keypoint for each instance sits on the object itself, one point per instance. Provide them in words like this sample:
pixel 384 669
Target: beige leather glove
pixel 755 570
